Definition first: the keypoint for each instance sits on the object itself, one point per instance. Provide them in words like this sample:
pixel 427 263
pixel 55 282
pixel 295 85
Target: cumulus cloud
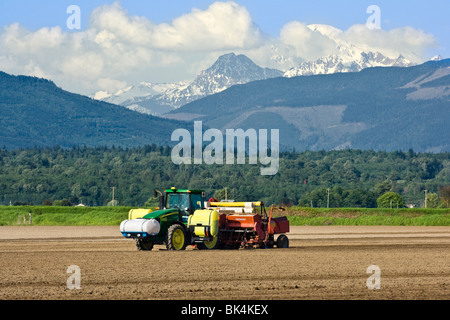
pixel 224 26
pixel 117 45
pixel 315 41
pixel 308 44
pixel 407 40
pixel 118 49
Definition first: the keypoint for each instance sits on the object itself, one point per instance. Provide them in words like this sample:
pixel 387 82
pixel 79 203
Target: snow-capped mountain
pixel 132 94
pixel 347 62
pixel 347 58
pixel 229 70
pixel 437 58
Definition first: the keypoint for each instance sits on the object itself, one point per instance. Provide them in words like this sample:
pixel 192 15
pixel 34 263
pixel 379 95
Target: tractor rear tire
pixel 144 244
pixel 176 238
pixel 282 242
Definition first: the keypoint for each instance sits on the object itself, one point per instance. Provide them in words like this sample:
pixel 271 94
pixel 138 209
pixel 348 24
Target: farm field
pixel 328 262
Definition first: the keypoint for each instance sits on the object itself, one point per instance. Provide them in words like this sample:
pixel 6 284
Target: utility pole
pixel 328 199
pixel 113 203
pixel 426 204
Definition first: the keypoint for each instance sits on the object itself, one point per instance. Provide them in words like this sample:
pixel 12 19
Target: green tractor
pixel 183 220
pixel 169 224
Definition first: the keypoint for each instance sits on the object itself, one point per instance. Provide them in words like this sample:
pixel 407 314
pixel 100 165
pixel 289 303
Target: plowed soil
pixel 321 263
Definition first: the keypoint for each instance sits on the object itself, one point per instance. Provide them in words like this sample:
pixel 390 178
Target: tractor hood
pixel 161 215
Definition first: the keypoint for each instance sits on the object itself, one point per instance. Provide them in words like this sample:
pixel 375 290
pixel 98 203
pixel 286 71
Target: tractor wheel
pixel 282 242
pixel 176 238
pixel 210 245
pixel 144 244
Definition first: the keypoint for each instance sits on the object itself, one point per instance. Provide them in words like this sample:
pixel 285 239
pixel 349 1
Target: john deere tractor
pixel 169 224
pixel 183 220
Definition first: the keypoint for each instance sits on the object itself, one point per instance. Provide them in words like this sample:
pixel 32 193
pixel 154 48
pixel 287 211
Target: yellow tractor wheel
pixel 210 245
pixel 176 238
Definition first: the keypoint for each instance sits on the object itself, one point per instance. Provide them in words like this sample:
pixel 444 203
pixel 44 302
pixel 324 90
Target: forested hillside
pixel 376 109
pixel 36 113
pixel 87 175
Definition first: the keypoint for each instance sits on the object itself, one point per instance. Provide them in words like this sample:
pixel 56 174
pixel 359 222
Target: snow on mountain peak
pixel 231 69
pixel 101 95
pixel 228 70
pixel 349 59
pixel 436 58
pixel 328 31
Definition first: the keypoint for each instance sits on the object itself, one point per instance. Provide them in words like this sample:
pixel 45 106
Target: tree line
pixel 346 178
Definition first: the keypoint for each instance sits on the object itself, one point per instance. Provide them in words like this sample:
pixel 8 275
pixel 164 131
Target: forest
pixel 335 179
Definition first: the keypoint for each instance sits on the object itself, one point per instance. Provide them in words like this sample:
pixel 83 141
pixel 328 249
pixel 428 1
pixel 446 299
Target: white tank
pixel 149 226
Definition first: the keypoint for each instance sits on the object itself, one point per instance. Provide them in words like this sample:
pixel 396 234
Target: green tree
pixel 62 203
pixel 432 200
pixel 381 188
pixel 113 203
pixel 225 193
pixel 444 192
pixel 390 200
pixel 152 202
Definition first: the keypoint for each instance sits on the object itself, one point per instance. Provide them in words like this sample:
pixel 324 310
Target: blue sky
pixel 431 16
pixel 425 22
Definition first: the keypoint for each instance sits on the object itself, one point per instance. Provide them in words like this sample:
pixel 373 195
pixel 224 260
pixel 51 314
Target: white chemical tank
pixel 141 226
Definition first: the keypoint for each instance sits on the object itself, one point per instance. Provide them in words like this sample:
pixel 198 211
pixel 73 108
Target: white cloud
pixel 113 22
pixel 315 41
pixel 308 44
pixel 224 26
pixel 89 65
pixel 110 85
pixel 20 40
pixel 117 46
pixel 118 49
pixel 407 41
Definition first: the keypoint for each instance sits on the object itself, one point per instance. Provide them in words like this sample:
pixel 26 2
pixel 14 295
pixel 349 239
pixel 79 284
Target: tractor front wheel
pixel 144 244
pixel 176 238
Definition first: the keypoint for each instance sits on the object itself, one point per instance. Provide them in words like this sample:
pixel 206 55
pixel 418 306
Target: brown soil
pixel 321 263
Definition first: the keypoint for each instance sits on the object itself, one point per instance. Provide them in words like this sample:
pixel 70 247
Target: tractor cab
pixel 187 201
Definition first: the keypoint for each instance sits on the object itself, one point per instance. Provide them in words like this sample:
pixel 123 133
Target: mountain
pixel 348 57
pixel 229 70
pixel 35 112
pixel 133 96
pixel 436 58
pixel 381 108
pixel 347 63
